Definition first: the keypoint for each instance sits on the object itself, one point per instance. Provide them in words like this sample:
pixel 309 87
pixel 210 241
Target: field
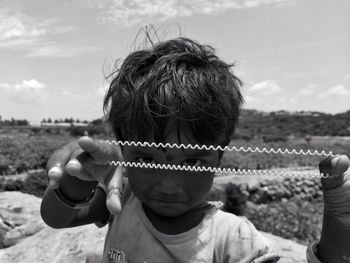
pixel 292 205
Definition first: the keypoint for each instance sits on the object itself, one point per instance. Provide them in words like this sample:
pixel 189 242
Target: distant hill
pixel 253 124
pixel 279 125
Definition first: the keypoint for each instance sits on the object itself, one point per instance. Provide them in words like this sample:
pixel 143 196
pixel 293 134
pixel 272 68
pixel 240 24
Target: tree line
pixel 278 126
pixel 13 122
pixel 269 126
pixel 65 120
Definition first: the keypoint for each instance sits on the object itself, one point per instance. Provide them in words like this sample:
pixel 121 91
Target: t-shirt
pixel 219 237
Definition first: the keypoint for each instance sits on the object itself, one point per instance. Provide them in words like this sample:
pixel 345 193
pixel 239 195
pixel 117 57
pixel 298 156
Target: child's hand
pixel 87 160
pixel 336 190
pixel 335 238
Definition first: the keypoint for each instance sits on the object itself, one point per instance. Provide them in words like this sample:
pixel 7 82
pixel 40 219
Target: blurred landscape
pixel 24 147
pixel 289 207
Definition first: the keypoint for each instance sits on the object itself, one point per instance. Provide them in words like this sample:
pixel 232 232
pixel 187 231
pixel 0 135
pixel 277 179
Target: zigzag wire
pixel 236 172
pixel 220 148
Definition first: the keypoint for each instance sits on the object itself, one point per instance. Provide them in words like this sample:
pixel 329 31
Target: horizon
pixel 292 55
pixel 98 118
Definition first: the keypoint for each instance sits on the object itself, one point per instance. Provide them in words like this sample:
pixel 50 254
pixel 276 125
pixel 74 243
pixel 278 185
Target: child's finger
pixel 335 167
pixel 82 167
pixel 114 189
pixel 61 156
pixel 54 175
pixel 99 150
pixel 57 162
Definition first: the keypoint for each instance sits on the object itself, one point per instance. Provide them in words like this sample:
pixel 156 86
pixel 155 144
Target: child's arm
pixel 57 212
pixel 334 244
pixel 71 185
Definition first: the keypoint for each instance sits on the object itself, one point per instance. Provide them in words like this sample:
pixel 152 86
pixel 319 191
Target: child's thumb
pixel 334 168
pixel 98 150
pixel 114 188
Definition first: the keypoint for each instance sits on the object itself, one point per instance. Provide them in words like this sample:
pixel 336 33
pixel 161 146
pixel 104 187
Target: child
pixel 177 91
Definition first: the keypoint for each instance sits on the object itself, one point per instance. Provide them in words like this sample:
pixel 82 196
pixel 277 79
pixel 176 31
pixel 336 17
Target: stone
pixel 253 185
pixel 12 237
pixel 19 217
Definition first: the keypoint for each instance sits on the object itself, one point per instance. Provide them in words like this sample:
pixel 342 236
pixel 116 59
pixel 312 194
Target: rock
pixel 57 245
pixel 4 226
pixel 11 237
pixel 290 251
pixel 19 217
pixel 253 185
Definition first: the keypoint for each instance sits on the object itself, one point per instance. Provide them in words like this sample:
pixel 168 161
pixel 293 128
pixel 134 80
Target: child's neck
pixel 179 224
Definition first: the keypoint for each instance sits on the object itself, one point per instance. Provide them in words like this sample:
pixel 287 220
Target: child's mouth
pixel 167 198
pixel 169 201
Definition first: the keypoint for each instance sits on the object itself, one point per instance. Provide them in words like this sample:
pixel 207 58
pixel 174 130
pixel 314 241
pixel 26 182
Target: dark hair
pixel 176 80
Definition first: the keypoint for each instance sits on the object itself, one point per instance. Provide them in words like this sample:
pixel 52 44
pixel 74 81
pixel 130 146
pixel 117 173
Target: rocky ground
pixel 26 238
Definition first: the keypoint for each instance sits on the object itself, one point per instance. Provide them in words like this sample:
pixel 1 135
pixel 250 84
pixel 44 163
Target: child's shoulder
pixel 223 218
pixel 234 228
pixel 236 233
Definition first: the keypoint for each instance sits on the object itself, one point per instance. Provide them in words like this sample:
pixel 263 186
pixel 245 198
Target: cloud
pixel 21 32
pixel 101 91
pixel 20 29
pixel 27 91
pixel 59 51
pixel 34 100
pixel 128 13
pixel 88 95
pixel 339 91
pixel 266 95
pixel 24 85
pixel 15 26
pixel 29 85
pixel 267 87
pixel 308 90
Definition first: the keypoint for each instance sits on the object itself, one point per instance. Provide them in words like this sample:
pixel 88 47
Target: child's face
pixel 170 192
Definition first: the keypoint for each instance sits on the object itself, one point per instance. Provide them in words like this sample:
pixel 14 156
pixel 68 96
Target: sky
pixel 54 54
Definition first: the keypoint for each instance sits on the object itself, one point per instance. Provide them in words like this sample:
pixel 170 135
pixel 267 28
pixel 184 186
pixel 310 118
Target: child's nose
pixel 168 184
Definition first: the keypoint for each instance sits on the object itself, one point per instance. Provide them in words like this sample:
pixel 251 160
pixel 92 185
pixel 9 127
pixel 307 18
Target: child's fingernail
pixel 74 164
pixel 113 202
pixel 55 172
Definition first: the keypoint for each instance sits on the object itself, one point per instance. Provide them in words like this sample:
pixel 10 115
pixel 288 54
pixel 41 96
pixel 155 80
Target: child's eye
pixel 145 160
pixel 192 162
